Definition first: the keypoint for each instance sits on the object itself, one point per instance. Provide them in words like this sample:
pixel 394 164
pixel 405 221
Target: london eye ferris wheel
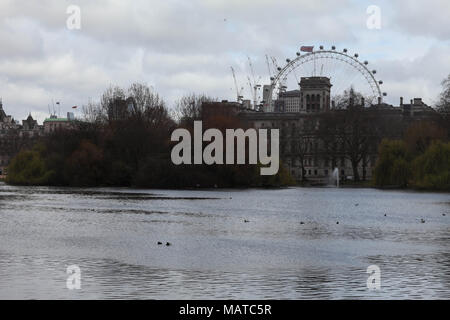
pixel 344 70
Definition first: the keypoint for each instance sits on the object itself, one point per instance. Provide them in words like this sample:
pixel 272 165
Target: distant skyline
pixel 178 47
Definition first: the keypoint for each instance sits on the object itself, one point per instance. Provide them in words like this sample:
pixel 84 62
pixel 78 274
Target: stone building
pixel 313 96
pixel 310 151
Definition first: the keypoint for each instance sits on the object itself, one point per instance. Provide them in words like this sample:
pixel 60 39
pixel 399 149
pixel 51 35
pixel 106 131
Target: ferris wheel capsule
pixel 374 71
pixel 356 55
pixel 366 62
pixel 279 68
pixel 345 50
pixel 380 82
pixel 333 47
pixel 384 94
pixel 272 78
pixel 321 47
pixel 288 60
pixel 298 54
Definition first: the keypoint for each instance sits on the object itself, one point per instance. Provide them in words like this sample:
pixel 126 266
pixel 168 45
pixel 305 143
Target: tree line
pixel 124 140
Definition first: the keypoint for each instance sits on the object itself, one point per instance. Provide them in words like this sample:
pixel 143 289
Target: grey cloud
pixel 426 18
pixel 183 46
pixel 419 77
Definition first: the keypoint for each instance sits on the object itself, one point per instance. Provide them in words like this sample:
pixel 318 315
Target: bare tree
pixel 443 106
pixel 349 97
pixel 189 107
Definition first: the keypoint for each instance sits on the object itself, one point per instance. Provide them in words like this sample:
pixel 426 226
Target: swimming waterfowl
pixel 168 244
pixel 421 220
pixel 159 243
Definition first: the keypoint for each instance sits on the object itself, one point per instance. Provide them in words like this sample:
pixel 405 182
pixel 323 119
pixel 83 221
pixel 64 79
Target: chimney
pixel 379 100
pixel 411 101
pixel 401 101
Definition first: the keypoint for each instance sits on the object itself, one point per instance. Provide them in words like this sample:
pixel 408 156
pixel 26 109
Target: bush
pixel 29 168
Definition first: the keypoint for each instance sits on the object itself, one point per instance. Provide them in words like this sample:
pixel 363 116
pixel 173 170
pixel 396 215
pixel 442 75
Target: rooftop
pixel 56 120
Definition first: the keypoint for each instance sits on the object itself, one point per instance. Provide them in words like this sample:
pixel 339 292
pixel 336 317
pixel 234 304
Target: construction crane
pixel 249 81
pixel 238 92
pixel 268 65
pixel 255 86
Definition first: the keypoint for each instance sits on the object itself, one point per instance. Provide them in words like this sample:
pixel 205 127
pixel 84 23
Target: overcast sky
pixel 180 46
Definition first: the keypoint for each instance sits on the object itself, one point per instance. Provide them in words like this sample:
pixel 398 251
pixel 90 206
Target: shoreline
pixel 315 186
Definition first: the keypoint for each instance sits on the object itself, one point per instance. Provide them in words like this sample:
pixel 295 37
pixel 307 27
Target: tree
pixel 443 105
pixel 393 164
pixel 350 96
pixel 421 134
pixel 298 142
pixel 84 167
pixel 189 107
pixel 431 170
pixel 29 168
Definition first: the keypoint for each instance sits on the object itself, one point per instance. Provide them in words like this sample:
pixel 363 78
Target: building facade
pixel 316 139
pixel 54 123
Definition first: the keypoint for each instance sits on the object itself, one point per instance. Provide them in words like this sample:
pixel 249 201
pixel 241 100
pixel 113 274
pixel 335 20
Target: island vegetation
pixel 119 145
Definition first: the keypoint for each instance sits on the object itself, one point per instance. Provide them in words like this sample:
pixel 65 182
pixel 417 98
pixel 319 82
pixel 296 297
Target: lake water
pixel 112 235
